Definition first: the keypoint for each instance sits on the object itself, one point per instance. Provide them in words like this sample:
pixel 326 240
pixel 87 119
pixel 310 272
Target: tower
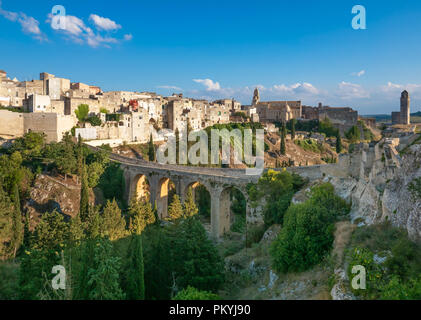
pixel 405 114
pixel 256 97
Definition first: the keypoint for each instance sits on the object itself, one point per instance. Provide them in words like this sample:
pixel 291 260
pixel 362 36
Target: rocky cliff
pixel 378 183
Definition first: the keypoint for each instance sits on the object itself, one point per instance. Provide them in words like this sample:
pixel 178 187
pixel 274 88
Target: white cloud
pixel 209 84
pixel 29 24
pixel 102 23
pixel 347 90
pixel 169 87
pixel 77 31
pixel 358 74
pixel 128 37
pixel 297 89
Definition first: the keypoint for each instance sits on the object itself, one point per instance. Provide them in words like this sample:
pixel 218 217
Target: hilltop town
pixel 51 104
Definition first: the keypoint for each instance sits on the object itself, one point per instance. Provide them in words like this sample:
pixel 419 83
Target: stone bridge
pixel 144 178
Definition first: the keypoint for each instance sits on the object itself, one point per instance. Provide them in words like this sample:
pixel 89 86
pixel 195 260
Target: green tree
pixel 175 210
pixel 338 143
pixel 283 136
pixel 177 145
pixel 157 253
pixel 17 225
pixel 354 134
pixel 190 208
pixel 65 156
pixel 307 233
pixel 52 232
pixel 84 195
pixel 95 169
pixel 195 259
pixel 113 223
pixel 104 278
pixel 134 271
pixel 293 122
pixel 6 224
pixel 82 112
pixel 141 215
pixel 76 230
pixel 151 149
pixel 93 223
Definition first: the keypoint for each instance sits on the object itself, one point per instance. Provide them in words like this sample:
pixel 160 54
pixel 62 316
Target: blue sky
pixel 303 50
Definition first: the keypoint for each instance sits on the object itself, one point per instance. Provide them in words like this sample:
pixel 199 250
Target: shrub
pixel 191 293
pixel 397 277
pixel 277 188
pixel 415 188
pixel 354 134
pixel 94 121
pixel 307 233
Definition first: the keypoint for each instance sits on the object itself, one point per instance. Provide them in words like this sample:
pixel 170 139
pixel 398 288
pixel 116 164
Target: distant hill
pixel 379 117
pixel 388 117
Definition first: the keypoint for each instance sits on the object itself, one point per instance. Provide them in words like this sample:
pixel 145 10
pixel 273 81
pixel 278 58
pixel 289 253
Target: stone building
pixel 229 104
pixel 39 103
pixel 342 118
pixel 276 111
pixel 404 116
pixel 16 124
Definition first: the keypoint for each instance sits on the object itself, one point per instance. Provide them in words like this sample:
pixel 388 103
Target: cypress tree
pixel 113 222
pixel 93 223
pixel 141 215
pixel 135 279
pixel 76 230
pixel 175 211
pixel 283 134
pixel 177 145
pixel 151 150
pixel 293 129
pixel 190 208
pixel 17 225
pixel 104 277
pixel 338 143
pixel 84 195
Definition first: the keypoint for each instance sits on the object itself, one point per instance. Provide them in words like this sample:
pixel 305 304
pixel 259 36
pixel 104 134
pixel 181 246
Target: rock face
pixel 48 194
pixel 378 185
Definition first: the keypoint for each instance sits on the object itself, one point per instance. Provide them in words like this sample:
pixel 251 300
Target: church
pixel 276 111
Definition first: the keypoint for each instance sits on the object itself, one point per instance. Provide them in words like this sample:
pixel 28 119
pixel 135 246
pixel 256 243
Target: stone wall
pixel 14 124
pixel 11 124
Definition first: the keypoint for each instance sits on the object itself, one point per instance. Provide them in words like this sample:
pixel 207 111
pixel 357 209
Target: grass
pixel 8 280
pixel 310 145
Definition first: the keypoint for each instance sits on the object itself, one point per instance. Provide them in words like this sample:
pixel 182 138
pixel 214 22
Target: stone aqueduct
pixel 154 178
pixel 141 175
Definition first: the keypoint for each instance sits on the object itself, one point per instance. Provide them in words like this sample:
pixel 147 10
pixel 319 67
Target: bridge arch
pixel 140 187
pixel 226 216
pixel 165 193
pixel 201 196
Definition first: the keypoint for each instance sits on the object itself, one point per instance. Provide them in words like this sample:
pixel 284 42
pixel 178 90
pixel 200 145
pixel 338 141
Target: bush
pixel 191 293
pixel 255 234
pixel 415 188
pixel 307 233
pixel 353 134
pixel 277 188
pixel 397 277
pixel 326 127
pixel 94 121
